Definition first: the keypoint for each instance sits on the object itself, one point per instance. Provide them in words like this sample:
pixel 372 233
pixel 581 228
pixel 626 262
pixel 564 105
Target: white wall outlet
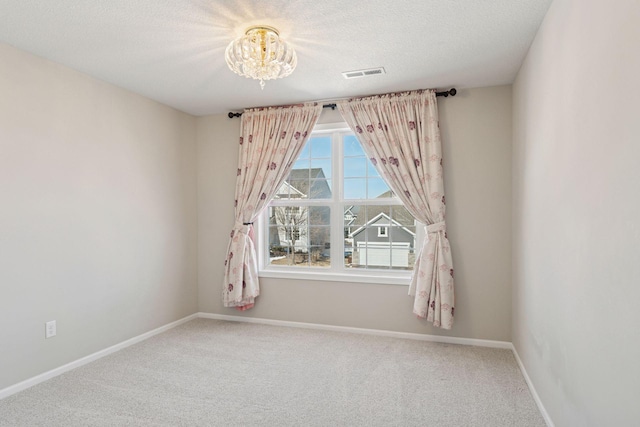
pixel 50 329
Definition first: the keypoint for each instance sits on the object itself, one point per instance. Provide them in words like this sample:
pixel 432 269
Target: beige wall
pixel 476 130
pixel 576 209
pixel 97 215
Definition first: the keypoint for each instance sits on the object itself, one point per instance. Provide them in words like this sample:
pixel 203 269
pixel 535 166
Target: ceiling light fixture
pixel 261 54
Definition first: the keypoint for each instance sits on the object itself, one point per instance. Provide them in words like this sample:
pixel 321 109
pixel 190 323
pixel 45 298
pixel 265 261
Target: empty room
pixel 329 213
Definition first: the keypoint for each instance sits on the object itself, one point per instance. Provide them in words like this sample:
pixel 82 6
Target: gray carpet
pixel 215 373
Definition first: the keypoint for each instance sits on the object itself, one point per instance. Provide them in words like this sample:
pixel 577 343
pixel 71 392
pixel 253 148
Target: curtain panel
pixel 400 134
pixel 270 141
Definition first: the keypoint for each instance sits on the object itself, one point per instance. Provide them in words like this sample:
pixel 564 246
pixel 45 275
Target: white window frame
pixel 337 271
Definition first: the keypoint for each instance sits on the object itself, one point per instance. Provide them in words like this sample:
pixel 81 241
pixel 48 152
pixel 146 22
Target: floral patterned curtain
pixel 270 141
pixel 401 135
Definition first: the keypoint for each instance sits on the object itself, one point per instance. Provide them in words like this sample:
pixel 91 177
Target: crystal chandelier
pixel 261 54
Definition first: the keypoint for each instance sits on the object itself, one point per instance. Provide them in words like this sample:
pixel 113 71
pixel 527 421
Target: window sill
pixel 373 278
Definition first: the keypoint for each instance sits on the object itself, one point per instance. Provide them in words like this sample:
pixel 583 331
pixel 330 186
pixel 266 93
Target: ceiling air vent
pixel 363 73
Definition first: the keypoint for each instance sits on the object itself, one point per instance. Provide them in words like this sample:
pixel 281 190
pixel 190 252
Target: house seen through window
pixel 335 212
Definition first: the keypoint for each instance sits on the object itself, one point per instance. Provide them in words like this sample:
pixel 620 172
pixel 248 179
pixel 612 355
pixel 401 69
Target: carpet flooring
pixel 216 373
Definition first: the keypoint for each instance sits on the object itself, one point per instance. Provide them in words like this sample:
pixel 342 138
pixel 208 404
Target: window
pixel 334 214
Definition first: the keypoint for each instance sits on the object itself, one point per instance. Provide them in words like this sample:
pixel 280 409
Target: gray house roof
pixel 308 183
pixel 398 213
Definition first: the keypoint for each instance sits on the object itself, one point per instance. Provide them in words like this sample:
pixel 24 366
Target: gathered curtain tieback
pixel 242 227
pixel 436 227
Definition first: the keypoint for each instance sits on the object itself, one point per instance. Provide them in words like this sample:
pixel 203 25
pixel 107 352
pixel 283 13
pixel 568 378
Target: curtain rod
pixel 446 93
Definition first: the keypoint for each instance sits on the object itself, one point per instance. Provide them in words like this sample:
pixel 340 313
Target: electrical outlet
pixel 50 329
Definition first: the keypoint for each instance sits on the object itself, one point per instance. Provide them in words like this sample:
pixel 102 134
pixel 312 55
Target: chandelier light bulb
pixel 261 54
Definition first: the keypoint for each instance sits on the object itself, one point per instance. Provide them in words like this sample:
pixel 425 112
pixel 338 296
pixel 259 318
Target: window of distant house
pixel 335 214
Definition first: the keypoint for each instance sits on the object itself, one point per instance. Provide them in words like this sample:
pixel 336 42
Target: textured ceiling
pixel 172 51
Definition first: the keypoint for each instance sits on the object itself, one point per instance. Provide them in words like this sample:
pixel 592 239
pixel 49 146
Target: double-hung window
pixel 335 218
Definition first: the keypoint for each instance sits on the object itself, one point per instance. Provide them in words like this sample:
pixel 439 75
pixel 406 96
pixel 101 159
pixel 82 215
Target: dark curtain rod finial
pixel 451 92
pixel 446 94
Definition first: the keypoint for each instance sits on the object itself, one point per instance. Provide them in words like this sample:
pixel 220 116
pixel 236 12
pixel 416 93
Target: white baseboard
pixel 532 389
pixel 8 391
pixel 382 333
pixel 393 334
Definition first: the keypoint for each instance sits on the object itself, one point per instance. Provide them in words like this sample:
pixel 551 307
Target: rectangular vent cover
pixel 363 73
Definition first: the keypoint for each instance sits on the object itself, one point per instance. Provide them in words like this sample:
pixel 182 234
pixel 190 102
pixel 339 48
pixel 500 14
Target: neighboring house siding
pixel 370 233
pixel 395 249
pixel 397 234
